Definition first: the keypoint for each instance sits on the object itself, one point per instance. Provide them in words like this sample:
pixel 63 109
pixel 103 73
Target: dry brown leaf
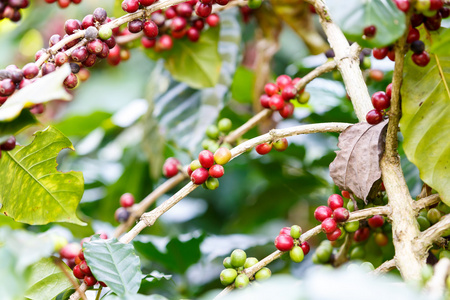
pixel 356 167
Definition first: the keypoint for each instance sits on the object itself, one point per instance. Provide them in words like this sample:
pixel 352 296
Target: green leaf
pixel 196 64
pixel 47 280
pixel 425 124
pixel 114 263
pixel 25 119
pixel 177 254
pixel 47 88
pixel 32 190
pixel 356 15
pixel 83 125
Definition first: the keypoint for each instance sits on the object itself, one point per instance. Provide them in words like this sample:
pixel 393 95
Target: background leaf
pixel 47 280
pixel 25 119
pixel 47 88
pixel 356 15
pixel 32 190
pixel 356 167
pixel 114 263
pixel 425 124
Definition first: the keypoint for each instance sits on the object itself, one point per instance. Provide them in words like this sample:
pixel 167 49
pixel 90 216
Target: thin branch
pixel 425 202
pixel 73 281
pixel 342 255
pixel 325 68
pixel 384 267
pixel 354 216
pixel 234 135
pixel 99 292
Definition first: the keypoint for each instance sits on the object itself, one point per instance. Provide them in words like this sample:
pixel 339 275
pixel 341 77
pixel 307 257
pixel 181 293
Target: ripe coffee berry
pixel 71 26
pixel 263 148
pixel 370 31
pixel 283 81
pixel 271 89
pixel 421 59
pixel 121 215
pixel 48 68
pixel 345 194
pixel 78 273
pixel 130 6
pixel 402 5
pixel 203 10
pixel 285 230
pixel 322 212
pixel 305 247
pixel 170 167
pixel 199 176
pixel 71 81
pixel 389 91
pixel 380 100
pixel 417 47
pixel 100 15
pixel 84 268
pixel 70 251
pixel 380 53
pixel 289 92
pixel 413 35
pixel 193 34
pixel 287 110
pixel 212 20
pixel 216 171
pixel 90 280
pixel 376 221
pixel 361 234
pixel 206 159
pixel 374 117
pixel 30 71
pixel 276 102
pixel 329 225
pixel 126 200
pixel 264 100
pixel 284 242
pixel 135 26
pixel 9 144
pixel 341 214
pixel 334 235
pixel 150 29
pixel 335 201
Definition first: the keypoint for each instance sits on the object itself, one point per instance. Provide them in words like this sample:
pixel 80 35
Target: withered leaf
pixel 356 167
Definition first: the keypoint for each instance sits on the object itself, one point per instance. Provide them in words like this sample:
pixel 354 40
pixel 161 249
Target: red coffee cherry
pixel 284 242
pixel 305 247
pixel 199 176
pixel 329 225
pixel 376 221
pixel 335 201
pixel 216 171
pixel 341 214
pixel 263 148
pixel 322 212
pixel 334 235
pixel 126 200
pixel 374 117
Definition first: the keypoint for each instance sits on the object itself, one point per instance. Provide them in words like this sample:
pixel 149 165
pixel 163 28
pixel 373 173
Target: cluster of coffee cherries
pixel 427 12
pixel 430 216
pixel 289 240
pixel 176 21
pixel 10 9
pixel 380 101
pixel 234 272
pixel 64 3
pixel 8 145
pixel 209 167
pixel 279 145
pixel 122 213
pixel 216 134
pixel 73 256
pixel 331 215
pixel 278 95
pixel 12 78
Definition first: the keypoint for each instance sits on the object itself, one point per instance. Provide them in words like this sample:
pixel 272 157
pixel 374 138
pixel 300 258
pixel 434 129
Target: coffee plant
pixel 127 130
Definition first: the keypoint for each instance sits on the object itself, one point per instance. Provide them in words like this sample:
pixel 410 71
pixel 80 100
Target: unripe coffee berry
pixel 212 131
pixel 329 225
pixel 222 156
pixel 341 214
pixel 351 226
pixel 212 183
pixel 280 145
pixel 227 262
pixel 335 201
pixel 195 164
pixel 284 242
pixel 263 274
pixel 228 276
pixel 105 33
pixel 241 281
pixel 238 257
pixel 296 231
pixel 322 212
pixel 224 125
pixel 296 254
pixel 250 261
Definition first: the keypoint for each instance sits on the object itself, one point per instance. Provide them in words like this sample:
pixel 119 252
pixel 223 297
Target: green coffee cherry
pixel 423 223
pixel 304 98
pixel 315 259
pixel 228 276
pixel 206 143
pixel 426 273
pixel 366 63
pixel 351 226
pixel 212 131
pixel 367 266
pixel 195 164
pixel 433 215
pixel 250 261
pixel 323 254
pixel 224 125
pixel 263 274
pixel 58 242
pixel 357 253
pixel 238 258
pixel 227 262
pixel 105 33
pixel 423 213
pixel 227 145
pixel 213 147
pixel 254 4
pixel 296 254
pixel 444 253
pixel 241 281
pixel 422 5
pixel 212 183
pixel 296 231
pixel 429 13
pixel 443 208
pixel 350 206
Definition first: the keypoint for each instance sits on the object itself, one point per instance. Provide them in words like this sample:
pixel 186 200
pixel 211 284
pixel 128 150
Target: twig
pixel 342 255
pixel 354 216
pixel 325 68
pixel 425 202
pixel 384 267
pixel 436 285
pixel 234 135
pixel 74 283
pixel 99 292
